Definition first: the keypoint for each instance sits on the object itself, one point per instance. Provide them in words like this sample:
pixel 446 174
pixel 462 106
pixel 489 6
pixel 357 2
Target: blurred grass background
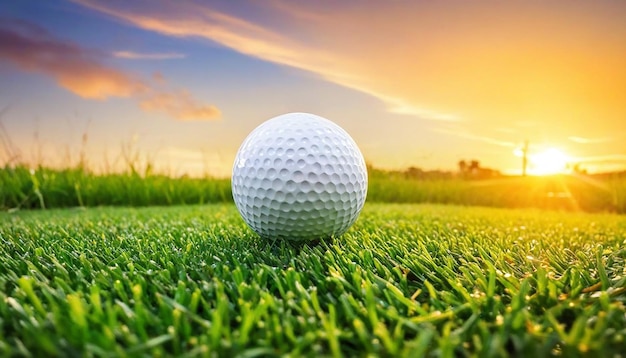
pixel 22 187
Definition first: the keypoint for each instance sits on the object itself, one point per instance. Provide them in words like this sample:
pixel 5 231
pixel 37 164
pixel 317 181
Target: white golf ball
pixel 299 177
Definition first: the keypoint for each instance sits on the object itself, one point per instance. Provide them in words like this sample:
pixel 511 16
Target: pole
pixel 525 158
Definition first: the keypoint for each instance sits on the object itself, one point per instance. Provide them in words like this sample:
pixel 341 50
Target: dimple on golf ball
pixel 299 177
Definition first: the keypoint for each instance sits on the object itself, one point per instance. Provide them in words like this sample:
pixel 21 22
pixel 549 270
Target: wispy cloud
pixel 180 105
pixel 471 61
pixel 32 49
pixel 463 133
pixel 81 71
pixel 584 140
pixel 188 19
pixel 402 107
pixel 604 159
pixel 505 130
pixel 130 55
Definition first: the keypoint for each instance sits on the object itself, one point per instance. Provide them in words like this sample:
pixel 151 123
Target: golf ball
pixel 299 177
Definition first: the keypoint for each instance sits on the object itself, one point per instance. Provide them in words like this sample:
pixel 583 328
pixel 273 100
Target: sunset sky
pixel 416 83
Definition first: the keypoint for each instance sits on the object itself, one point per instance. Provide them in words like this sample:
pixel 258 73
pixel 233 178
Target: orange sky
pixel 416 83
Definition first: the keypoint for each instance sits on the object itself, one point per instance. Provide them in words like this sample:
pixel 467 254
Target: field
pixel 23 188
pixel 406 280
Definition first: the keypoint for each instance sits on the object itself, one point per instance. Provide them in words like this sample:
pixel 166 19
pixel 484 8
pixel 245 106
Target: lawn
pixel 406 280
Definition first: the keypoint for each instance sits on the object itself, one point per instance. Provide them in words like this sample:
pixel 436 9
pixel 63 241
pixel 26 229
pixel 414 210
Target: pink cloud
pixel 80 71
pixel 180 105
pixel 32 49
pixel 131 55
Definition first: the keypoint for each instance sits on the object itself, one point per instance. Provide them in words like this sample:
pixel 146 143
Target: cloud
pixel 605 159
pixel 187 19
pixel 158 77
pixel 130 55
pixel 80 71
pixel 583 140
pixel 401 107
pixel 462 133
pixel 472 61
pixel 75 69
pixel 180 105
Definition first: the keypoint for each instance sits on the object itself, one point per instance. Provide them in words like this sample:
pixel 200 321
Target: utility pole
pixel 525 157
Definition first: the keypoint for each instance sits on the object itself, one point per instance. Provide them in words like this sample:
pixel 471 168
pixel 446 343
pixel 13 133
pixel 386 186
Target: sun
pixel 550 161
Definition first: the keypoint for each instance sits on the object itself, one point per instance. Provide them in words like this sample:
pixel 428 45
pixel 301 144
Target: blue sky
pixel 415 83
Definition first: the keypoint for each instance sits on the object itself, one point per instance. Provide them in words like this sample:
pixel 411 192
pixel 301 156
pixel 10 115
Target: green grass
pixel 50 188
pixel 21 188
pixel 406 280
pixel 558 192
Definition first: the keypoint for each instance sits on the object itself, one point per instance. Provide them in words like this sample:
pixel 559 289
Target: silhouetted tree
pixel 474 166
pixel 462 166
pixel 577 169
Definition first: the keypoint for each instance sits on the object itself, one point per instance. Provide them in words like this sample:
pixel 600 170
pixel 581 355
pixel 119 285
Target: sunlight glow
pixel 550 161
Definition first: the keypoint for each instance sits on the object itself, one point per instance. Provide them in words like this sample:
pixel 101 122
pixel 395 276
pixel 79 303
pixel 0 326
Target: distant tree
pixel 577 169
pixel 474 166
pixel 462 166
pixel 414 172
pixel 471 169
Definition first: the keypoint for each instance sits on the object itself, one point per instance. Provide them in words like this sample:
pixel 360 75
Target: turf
pixel 406 280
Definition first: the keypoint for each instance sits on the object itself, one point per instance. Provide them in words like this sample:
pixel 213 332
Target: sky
pixel 180 84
